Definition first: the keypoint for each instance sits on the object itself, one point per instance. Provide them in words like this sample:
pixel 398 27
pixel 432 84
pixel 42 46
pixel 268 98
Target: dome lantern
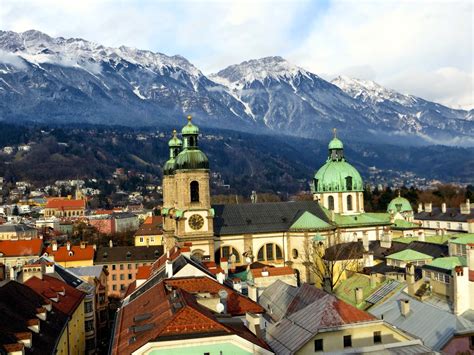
pixel 191 157
pixel 174 145
pixel 399 204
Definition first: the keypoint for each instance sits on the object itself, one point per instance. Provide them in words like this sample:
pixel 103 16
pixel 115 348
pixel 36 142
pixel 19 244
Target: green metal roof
pixel 361 219
pixel 462 238
pixel 434 239
pixel 308 221
pixel 332 177
pixel 345 290
pixel 402 224
pixel 336 143
pixel 399 204
pixel 409 255
pixel 169 167
pixel 175 142
pixel 449 262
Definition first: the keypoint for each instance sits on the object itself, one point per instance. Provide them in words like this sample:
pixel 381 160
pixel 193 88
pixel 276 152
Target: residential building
pixel 259 279
pixel 65 299
pixel 150 232
pixel 433 323
pixel 307 320
pixel 64 208
pixel 115 222
pixel 166 318
pixel 122 264
pixel 446 220
pixel 29 324
pixel 71 255
pixel 15 253
pixel 11 231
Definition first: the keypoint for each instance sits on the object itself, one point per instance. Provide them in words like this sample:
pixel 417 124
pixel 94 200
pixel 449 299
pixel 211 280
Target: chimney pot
pixel 404 307
pixel 443 207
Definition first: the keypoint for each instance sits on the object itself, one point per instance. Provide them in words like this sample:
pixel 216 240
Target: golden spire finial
pixel 174 132
pixel 398 192
pixel 190 118
pixel 334 130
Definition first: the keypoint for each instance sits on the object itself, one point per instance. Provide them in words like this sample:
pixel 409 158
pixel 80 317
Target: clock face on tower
pixel 196 221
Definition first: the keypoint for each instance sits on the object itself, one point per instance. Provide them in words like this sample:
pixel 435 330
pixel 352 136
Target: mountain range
pixel 58 80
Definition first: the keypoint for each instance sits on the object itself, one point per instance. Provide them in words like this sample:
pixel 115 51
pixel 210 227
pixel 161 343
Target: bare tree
pixel 330 261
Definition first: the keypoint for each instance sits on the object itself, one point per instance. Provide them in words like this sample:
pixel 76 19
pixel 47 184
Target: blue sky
pixel 419 47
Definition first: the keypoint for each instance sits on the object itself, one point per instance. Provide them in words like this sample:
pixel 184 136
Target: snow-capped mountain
pixel 50 79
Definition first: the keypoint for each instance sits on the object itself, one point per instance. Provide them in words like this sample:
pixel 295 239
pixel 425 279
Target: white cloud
pixel 12 59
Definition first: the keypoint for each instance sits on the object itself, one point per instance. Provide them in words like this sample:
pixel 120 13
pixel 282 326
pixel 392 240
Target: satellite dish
pixel 220 308
pixel 222 294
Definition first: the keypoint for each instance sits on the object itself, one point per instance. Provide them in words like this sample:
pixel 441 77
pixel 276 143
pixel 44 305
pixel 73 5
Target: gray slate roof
pixel 431 324
pixel 105 255
pixel 18 228
pixel 276 298
pixel 250 218
pixel 95 270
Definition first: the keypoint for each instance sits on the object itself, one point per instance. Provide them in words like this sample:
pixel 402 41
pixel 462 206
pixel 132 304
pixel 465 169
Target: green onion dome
pixel 399 204
pixel 337 175
pixel 191 159
pixel 190 129
pixel 169 167
pixel 336 143
pixel 175 142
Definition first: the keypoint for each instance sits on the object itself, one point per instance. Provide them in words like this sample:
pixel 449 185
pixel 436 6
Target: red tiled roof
pixel 78 253
pixel 471 275
pixel 50 287
pixel 130 288
pixel 21 247
pixel 273 271
pixel 171 314
pixel 173 254
pixel 66 204
pixel 153 220
pixel 237 304
pixel 143 272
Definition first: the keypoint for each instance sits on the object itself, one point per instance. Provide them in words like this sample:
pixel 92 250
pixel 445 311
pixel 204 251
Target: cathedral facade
pixel 281 233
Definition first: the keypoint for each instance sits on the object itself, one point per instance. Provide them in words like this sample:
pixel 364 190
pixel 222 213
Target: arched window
pixel 315 181
pixel 227 252
pixel 194 191
pixel 270 252
pixel 331 203
pixel 197 254
pixel 349 203
pixel 294 253
pixel 349 183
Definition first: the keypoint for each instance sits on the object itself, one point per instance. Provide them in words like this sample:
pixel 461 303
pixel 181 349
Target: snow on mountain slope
pixel 50 79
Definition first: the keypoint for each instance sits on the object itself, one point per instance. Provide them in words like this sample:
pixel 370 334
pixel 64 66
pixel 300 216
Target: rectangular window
pixel 347 341
pixel 318 345
pixel 114 267
pixel 122 287
pixel 114 287
pixel 121 266
pixel 152 239
pixel 377 337
pixel 114 277
pixel 129 266
pixel 129 276
pixel 141 239
pixel 449 225
pixel 122 277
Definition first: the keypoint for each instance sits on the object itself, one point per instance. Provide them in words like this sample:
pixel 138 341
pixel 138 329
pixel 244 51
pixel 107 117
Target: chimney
pixel 410 273
pixel 386 240
pixel 420 207
pixel 54 245
pixel 186 251
pixel 169 268
pixel 111 243
pixel 421 236
pixel 221 277
pixel 225 265
pixel 365 241
pixel 83 244
pixel 368 259
pixel 373 280
pixel 25 338
pixel 404 307
pixel 461 299
pixel 392 217
pixel 443 207
pixel 265 272
pixel 466 207
pixel 237 283
pixel 359 295
pixel 428 206
pixel 32 270
pixel 470 256
pixel 254 322
pixel 68 245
